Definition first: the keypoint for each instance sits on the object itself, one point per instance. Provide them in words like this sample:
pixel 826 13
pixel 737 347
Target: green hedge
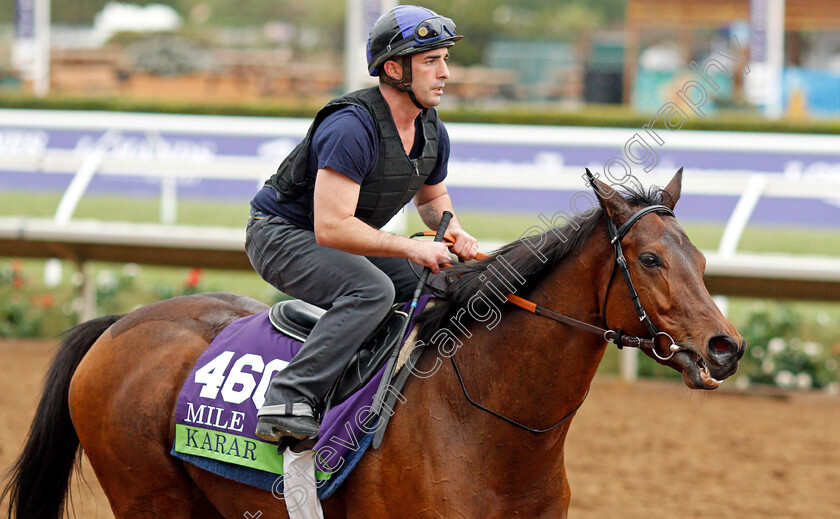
pixel 121 104
pixel 595 115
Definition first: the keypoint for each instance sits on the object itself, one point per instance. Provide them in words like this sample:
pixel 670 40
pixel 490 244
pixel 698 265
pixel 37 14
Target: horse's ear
pixel 671 193
pixel 611 200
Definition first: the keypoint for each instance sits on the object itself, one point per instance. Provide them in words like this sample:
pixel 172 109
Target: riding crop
pixel 378 400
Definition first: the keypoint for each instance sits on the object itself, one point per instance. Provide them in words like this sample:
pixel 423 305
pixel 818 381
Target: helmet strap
pixel 403 84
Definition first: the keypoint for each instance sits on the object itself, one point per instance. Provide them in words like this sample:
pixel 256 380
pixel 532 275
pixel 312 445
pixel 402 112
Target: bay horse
pixel 113 385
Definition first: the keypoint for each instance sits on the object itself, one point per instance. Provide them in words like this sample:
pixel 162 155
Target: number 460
pixel 239 384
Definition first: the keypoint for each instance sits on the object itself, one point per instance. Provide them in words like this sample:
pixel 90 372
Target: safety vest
pixel 394 179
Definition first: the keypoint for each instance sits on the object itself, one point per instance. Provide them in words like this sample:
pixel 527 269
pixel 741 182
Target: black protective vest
pixel 394 179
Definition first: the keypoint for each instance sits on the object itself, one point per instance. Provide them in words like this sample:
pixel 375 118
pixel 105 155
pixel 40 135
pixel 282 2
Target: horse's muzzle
pixel 725 352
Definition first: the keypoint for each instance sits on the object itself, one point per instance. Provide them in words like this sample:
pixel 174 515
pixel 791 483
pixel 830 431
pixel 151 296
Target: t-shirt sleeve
pixel 346 142
pixel 441 167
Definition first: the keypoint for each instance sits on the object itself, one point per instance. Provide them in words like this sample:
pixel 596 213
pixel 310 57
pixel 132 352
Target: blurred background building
pixel 568 53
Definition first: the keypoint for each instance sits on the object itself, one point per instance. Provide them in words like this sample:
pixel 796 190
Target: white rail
pixel 223 247
pixel 178 148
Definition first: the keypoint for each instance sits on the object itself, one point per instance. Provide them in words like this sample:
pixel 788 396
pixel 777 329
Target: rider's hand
pixel 429 254
pixel 466 247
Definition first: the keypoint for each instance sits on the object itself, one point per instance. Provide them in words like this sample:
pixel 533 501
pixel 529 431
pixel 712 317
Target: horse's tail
pixel 39 480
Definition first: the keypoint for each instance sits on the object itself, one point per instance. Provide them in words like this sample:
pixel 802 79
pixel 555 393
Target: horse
pixel 480 438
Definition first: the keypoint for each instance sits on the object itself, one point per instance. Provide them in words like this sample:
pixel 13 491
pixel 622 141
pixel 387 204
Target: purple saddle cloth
pixel 217 408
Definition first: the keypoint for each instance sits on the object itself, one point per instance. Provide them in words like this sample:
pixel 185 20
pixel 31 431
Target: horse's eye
pixel 650 260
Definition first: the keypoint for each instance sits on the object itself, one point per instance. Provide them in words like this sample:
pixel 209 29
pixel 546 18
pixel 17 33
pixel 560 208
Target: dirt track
pixel 650 450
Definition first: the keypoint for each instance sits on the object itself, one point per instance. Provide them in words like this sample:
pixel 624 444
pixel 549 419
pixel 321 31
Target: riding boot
pixel 278 421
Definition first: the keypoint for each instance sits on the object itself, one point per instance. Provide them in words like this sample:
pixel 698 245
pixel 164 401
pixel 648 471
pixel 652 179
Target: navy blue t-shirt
pixel 346 142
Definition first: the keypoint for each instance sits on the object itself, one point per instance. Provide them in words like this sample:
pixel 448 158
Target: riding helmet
pixel 407 30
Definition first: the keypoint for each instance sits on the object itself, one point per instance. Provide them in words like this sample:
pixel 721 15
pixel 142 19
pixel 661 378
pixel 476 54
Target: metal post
pixel 359 18
pixel 763 85
pixel 354 46
pixel 83 176
pixel 385 6
pixel 71 197
pixel 741 215
pixel 41 68
pixel 775 57
pixel 736 225
pixel 168 199
pixel 628 359
pixel 168 183
pixel 88 292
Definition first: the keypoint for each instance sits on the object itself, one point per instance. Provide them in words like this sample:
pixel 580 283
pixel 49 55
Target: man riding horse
pixel 314 231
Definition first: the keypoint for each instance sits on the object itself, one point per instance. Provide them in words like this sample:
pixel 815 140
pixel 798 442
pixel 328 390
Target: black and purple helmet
pixel 406 30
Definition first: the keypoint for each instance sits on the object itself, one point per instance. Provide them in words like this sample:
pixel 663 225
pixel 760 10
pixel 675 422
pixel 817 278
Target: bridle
pixel 616 336
pixel 621 263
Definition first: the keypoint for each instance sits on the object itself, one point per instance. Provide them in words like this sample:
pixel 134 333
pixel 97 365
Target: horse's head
pixel 667 271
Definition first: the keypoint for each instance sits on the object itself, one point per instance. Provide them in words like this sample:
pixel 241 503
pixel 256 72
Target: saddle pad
pixel 217 408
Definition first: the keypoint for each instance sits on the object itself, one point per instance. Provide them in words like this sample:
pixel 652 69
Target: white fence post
pixel 169 200
pixel 628 359
pixel 741 215
pixel 73 194
pixel 88 293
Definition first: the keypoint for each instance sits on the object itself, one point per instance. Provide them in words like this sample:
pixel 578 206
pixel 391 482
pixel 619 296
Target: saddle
pixel 296 319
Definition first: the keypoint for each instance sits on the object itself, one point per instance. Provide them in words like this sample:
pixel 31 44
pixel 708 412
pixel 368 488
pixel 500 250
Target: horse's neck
pixel 535 370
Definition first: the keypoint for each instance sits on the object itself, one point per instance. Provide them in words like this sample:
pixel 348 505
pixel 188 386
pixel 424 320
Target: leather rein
pixel 616 336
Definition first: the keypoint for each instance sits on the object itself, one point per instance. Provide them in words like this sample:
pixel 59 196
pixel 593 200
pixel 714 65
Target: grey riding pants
pixel 356 291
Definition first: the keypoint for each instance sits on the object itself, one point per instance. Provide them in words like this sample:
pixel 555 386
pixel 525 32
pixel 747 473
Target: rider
pixel 314 227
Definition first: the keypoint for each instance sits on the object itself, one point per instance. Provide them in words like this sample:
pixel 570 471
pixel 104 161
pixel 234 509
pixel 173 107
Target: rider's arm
pixel 336 196
pixel 431 201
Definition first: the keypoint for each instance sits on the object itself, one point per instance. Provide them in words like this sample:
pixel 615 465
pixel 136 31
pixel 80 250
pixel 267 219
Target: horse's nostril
pixel 722 346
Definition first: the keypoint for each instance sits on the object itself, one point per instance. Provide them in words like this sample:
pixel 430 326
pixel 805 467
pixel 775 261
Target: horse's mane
pixel 464 280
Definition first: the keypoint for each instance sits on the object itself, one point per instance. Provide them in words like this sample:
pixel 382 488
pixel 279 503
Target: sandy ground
pixel 648 450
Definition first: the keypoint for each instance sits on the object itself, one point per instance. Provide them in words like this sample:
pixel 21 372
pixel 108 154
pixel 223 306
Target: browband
pixel 633 219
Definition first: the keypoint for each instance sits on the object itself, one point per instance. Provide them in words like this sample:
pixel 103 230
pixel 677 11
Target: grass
pixel 150 283
pixel 706 236
pixel 488 226
pixel 130 209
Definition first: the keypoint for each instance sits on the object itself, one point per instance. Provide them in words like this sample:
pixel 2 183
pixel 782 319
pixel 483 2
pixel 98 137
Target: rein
pixel 617 336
